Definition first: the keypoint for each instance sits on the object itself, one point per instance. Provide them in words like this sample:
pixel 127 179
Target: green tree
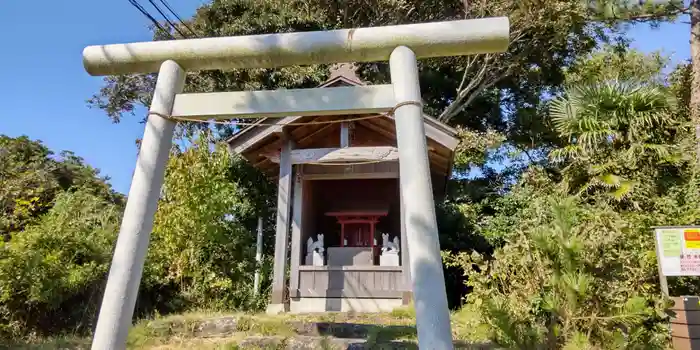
pixel 52 273
pixel 574 267
pixel 625 12
pixel 31 176
pixel 621 132
pixel 613 129
pixel 570 276
pixel 203 240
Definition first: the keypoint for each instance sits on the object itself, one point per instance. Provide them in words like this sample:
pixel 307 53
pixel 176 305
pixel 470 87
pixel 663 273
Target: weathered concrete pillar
pixel 432 313
pixel 284 205
pixel 130 253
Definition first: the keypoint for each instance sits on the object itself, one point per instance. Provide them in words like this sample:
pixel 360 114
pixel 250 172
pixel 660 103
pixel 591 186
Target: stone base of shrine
pixel 365 288
pixel 276 309
pixel 312 305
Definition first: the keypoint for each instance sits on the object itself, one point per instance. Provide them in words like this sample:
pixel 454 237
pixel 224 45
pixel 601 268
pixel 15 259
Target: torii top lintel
pixel 436 39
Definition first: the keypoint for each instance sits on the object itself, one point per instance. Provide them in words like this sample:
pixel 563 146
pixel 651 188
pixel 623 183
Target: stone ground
pixel 299 332
pixel 322 331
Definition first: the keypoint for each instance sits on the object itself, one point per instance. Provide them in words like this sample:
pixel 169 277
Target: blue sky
pixel 44 85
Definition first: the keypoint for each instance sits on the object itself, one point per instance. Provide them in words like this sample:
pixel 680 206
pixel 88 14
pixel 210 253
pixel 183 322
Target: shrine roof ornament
pixel 436 39
pixel 346 72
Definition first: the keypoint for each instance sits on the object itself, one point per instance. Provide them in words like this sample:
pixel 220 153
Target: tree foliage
pixel 31 176
pixel 59 219
pixel 613 129
pixel 574 264
pixel 203 243
pixel 51 273
pixel 571 275
pixel 53 269
pixel 623 136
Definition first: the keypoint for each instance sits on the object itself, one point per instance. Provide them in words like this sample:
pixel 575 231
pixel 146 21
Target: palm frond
pixel 564 115
pixel 596 115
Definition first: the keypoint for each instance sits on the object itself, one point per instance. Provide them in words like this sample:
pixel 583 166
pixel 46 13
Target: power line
pixel 148 15
pixel 157 24
pixel 167 19
pixel 165 3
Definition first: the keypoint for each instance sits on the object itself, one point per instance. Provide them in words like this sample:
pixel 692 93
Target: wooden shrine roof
pixel 264 137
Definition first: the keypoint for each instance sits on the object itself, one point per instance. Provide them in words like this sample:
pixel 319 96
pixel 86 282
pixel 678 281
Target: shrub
pixel 201 245
pixel 51 274
pixel 568 275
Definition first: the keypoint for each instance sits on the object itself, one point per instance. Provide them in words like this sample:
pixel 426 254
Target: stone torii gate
pixel 401 45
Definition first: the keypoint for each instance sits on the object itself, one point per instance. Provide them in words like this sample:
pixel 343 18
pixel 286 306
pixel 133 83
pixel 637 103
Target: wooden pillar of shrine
pixel 284 204
pixel 297 219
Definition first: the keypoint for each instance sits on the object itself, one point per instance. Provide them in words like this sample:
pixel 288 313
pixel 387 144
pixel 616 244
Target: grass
pixel 180 332
pixel 188 331
pixel 467 326
pixel 53 343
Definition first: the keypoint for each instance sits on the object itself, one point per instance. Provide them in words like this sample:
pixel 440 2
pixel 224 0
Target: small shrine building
pixel 340 224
